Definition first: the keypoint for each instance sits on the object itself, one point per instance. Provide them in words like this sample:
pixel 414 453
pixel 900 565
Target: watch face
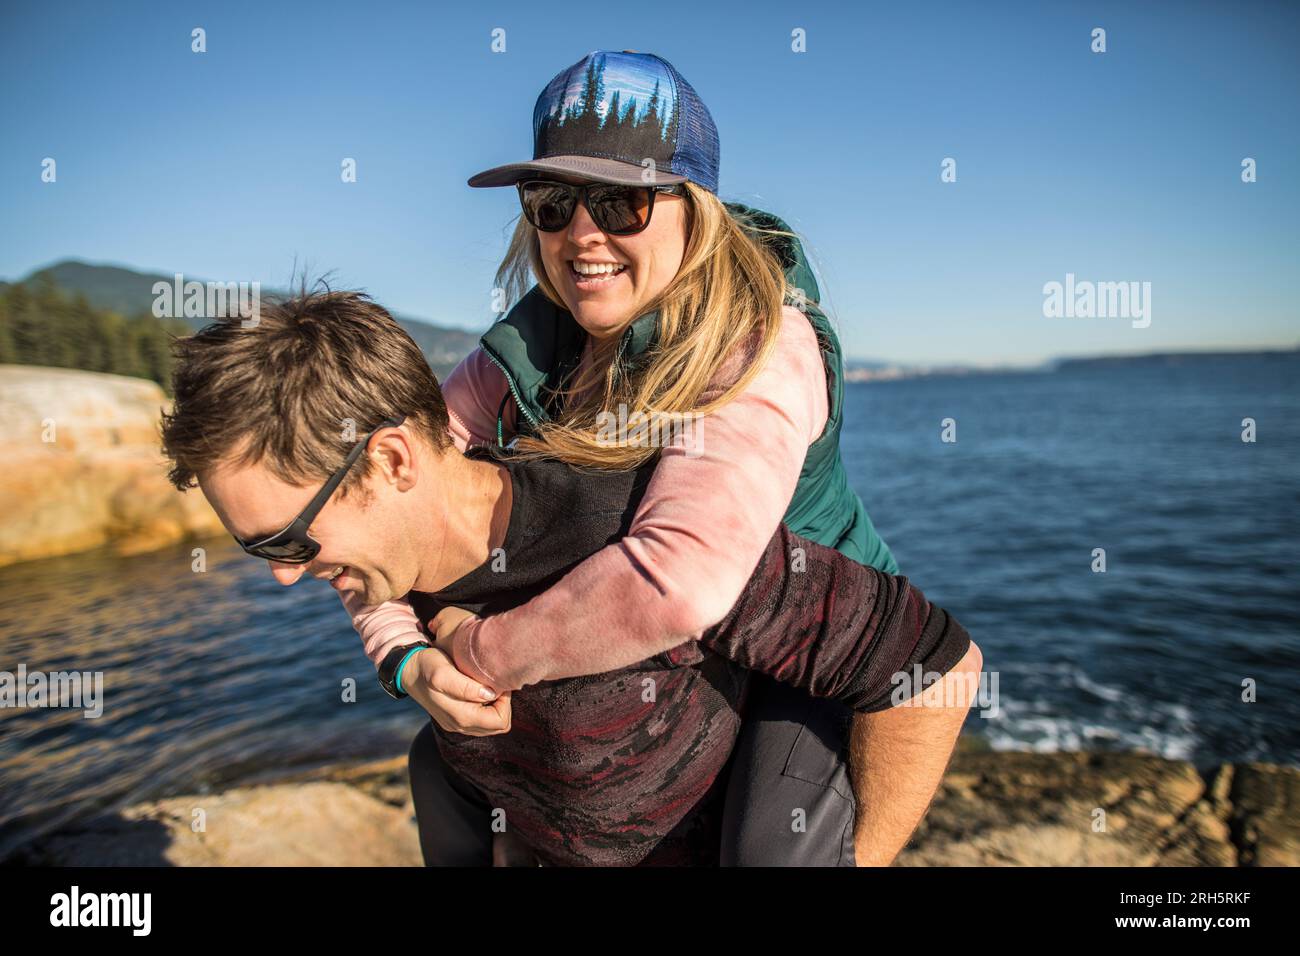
pixel 390 688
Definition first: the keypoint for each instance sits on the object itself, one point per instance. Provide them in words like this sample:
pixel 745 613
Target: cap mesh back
pixel 697 153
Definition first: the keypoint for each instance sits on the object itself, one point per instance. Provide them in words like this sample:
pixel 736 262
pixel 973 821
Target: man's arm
pixel 920 738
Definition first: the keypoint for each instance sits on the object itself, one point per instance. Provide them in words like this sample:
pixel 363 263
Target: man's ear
pixel 392 453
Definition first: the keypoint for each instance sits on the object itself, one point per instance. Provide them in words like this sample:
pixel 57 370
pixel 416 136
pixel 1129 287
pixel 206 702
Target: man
pixel 625 767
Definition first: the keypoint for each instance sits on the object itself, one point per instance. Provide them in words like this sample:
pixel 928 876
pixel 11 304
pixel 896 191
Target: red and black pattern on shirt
pixel 616 769
pixel 596 770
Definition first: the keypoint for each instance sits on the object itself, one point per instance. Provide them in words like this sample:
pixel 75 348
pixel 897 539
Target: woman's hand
pixel 457 703
pixel 442 624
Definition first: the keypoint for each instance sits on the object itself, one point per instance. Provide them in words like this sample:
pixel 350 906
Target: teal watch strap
pixel 401 666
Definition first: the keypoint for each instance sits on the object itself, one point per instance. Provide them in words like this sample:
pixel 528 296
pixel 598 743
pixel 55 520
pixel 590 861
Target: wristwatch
pixel 391 667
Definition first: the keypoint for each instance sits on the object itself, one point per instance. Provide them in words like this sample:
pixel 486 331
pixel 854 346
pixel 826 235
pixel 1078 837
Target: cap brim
pixel 584 167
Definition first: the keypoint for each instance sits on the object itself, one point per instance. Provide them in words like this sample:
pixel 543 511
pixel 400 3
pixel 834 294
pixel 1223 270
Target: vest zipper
pixel 510 383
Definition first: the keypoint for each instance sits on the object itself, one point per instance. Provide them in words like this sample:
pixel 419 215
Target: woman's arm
pixel 382 626
pixel 707 515
pixel 473 393
pixel 836 628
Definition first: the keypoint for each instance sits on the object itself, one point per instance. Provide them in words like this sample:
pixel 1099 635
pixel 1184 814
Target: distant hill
pixel 128 292
pixel 864 370
pixel 105 287
pixel 1172 358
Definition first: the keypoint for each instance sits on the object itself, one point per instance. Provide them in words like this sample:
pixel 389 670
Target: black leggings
pixel 454 818
pixel 788 799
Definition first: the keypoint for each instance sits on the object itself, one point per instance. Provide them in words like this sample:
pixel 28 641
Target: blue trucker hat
pixel 604 117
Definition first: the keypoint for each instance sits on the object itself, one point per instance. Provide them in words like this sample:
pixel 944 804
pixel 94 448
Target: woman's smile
pixel 595 276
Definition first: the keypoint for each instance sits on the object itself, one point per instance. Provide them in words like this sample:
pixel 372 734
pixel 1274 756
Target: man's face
pixel 357 536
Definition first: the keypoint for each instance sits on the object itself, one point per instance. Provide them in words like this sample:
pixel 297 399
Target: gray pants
pixel 788 801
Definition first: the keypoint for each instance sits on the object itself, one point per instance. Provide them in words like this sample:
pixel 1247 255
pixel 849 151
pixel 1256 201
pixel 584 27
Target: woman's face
pixel 605 305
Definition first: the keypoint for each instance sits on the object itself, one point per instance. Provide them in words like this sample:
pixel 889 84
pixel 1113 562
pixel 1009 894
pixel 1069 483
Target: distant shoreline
pixel 863 370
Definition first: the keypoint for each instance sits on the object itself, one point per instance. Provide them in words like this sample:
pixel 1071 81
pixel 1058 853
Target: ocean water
pixel 224 676
pixel 1201 588
pixel 208 679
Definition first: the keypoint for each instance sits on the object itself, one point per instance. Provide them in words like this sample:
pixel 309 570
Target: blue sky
pixel 1122 166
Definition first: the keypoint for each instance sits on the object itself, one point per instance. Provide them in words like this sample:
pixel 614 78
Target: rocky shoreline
pixel 1108 809
pixel 995 808
pixel 84 467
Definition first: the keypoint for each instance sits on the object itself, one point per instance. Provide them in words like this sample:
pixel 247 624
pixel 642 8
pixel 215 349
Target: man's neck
pixel 478 502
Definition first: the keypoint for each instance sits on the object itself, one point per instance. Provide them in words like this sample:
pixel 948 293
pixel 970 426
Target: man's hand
pixel 457 703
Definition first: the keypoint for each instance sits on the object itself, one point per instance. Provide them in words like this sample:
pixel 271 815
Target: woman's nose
pixel 286 574
pixel 582 225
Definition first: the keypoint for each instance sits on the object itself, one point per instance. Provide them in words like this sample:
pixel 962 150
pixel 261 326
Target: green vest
pixel 537 343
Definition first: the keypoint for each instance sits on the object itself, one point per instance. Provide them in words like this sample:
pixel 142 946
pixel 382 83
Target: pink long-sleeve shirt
pixel 710 509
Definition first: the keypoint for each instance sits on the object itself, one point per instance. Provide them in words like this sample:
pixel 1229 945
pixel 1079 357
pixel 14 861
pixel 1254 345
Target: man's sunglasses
pixel 293 545
pixel 617 209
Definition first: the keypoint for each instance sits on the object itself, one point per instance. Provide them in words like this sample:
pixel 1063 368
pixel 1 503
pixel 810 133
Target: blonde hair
pixel 723 307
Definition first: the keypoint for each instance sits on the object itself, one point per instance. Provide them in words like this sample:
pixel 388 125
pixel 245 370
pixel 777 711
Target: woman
pixel 654 296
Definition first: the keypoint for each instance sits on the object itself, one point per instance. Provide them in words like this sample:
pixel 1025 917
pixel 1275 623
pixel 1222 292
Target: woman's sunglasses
pixel 293 545
pixel 617 209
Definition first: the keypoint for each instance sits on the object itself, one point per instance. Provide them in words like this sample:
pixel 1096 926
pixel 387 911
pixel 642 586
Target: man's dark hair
pixel 296 387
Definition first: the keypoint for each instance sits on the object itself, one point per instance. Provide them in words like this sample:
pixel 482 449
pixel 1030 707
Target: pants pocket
pixel 819 753
pixel 789 764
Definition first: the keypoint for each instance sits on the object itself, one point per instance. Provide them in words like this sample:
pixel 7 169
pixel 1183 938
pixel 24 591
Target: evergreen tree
pixel 612 117
pixel 7 353
pixel 42 325
pixel 652 112
pixel 593 90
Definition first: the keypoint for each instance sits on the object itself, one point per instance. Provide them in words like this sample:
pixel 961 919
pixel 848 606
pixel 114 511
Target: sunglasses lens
pixel 288 551
pixel 548 206
pixel 619 210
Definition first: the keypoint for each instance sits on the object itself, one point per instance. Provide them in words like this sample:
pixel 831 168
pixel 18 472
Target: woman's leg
pixel 789 800
pixel 454 819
